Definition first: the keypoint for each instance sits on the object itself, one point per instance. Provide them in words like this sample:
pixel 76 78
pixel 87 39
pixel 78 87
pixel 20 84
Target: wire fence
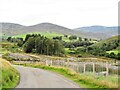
pixel 99 68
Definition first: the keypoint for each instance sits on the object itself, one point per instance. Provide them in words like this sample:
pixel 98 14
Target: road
pixel 38 78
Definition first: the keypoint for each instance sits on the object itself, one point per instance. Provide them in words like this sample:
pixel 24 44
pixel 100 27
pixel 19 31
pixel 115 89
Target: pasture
pixel 47 34
pixel 114 51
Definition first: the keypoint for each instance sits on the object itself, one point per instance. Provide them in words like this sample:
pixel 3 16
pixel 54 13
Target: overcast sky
pixel 68 13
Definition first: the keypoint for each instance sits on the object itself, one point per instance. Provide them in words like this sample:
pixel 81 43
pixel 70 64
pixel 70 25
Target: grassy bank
pixel 85 81
pixel 9 76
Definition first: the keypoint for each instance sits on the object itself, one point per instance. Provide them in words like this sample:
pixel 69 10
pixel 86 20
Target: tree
pixel 72 37
pixel 9 38
pixel 39 45
pixel 29 45
pixel 58 48
pixel 57 37
pixel 80 39
pixel 118 56
pixel 85 39
pixel 27 37
pixel 112 55
pixel 20 43
pixel 66 36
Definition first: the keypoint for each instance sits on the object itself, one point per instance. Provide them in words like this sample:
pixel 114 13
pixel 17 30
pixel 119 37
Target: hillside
pixel 101 32
pixel 12 29
pixel 106 48
pixel 95 32
pixel 108 41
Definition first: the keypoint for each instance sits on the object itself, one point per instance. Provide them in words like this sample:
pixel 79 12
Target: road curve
pixel 38 78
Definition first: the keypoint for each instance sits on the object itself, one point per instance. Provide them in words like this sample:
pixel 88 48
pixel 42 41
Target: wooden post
pixel 107 69
pixel 67 62
pixel 51 63
pixel 46 63
pixel 84 67
pixel 93 67
pixel 77 68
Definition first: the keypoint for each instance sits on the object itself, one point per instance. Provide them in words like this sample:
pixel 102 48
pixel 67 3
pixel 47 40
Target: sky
pixel 67 13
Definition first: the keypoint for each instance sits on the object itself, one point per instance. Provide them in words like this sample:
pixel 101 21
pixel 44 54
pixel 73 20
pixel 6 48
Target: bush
pixel 79 55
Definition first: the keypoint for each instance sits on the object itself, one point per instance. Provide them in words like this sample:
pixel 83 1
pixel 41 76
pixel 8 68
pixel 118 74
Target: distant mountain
pixel 12 29
pixel 99 31
pixel 95 32
pixel 15 29
pixel 97 28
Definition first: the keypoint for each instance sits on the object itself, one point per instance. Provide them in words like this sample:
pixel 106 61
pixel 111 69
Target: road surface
pixel 38 78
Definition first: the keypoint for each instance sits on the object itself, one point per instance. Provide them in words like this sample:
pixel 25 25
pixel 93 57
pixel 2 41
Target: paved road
pixel 38 78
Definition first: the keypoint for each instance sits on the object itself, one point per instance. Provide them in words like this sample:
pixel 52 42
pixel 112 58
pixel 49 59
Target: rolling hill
pixel 101 32
pixel 108 41
pixel 108 44
pixel 12 29
pixel 94 32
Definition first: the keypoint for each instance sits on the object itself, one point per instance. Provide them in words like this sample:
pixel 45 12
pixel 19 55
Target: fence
pixel 98 68
pixel 83 67
pixel 72 63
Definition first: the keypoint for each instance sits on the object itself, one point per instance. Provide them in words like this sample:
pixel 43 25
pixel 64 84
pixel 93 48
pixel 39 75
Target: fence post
pixel 78 68
pixel 93 67
pixel 46 63
pixel 107 69
pixel 67 62
pixel 51 62
pixel 84 67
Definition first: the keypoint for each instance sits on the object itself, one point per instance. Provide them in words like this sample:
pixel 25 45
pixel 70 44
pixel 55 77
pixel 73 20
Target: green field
pixel 114 51
pixel 47 34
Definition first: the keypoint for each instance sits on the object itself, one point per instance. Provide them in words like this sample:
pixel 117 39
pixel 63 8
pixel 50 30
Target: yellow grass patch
pixel 4 63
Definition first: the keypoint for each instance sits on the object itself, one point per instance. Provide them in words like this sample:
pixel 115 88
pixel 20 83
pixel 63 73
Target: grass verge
pixel 9 75
pixel 83 80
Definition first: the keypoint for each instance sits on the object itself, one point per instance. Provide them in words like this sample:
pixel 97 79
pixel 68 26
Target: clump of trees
pixel 42 45
pixel 57 38
pixel 77 44
pixel 72 37
pixel 12 39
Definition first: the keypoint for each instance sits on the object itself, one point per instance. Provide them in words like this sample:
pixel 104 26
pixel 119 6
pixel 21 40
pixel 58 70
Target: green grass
pixel 10 76
pixel 114 51
pixel 84 80
pixel 8 47
pixel 47 34
pixel 67 51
